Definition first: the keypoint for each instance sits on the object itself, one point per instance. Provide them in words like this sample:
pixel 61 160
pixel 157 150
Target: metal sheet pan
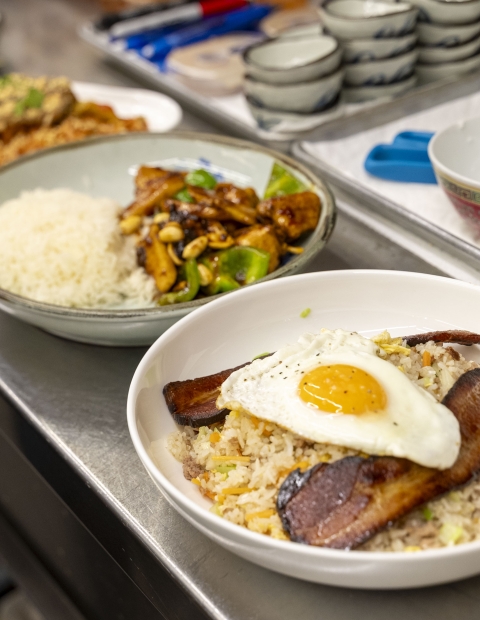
pixel 381 206
pixel 364 117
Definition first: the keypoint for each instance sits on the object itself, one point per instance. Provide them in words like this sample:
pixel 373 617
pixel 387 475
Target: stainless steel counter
pixel 72 488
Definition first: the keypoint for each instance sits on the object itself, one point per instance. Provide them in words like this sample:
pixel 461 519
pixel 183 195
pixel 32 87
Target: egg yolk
pixel 341 388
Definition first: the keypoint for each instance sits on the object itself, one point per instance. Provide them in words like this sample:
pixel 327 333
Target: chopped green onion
pixel 427 514
pixel 225 469
pixel 33 99
pixel 260 355
pixel 450 534
pixel 305 313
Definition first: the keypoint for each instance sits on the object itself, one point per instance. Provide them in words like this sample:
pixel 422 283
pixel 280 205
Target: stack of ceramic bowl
pixel 292 76
pixel 378 42
pixel 449 37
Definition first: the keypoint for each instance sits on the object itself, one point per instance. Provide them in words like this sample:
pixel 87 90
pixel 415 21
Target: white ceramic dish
pixel 432 72
pixel 292 60
pixel 440 35
pixel 161 112
pixel 363 50
pixel 448 12
pixel 303 97
pixel 353 19
pixel 356 94
pixel 105 167
pixel 377 72
pixel 455 156
pixel 265 318
pixel 277 120
pixel 436 55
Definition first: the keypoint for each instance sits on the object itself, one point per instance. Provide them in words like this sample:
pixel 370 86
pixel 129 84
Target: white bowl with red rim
pixel 455 156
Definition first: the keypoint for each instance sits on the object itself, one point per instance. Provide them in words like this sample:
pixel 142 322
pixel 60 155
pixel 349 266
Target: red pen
pixel 183 14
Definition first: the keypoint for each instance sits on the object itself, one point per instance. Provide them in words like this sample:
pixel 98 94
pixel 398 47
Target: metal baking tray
pixel 363 116
pixel 376 205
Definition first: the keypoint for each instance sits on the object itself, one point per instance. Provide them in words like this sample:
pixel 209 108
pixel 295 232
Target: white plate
pixel 161 112
pixel 234 329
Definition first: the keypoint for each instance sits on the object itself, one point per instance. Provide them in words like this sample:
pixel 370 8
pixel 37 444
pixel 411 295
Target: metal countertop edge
pixel 115 505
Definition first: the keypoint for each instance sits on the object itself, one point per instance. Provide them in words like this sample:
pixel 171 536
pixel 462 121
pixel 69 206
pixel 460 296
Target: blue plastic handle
pixel 405 160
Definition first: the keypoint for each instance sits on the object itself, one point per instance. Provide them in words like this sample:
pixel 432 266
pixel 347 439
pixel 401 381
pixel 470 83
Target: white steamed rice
pixel 66 248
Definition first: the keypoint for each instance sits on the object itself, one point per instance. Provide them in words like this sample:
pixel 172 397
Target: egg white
pixel 413 425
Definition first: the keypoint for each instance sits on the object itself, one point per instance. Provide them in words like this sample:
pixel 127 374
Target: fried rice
pixel 240 464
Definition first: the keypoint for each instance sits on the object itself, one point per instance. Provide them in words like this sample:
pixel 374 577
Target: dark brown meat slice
pixel 343 504
pixel 193 402
pixel 457 336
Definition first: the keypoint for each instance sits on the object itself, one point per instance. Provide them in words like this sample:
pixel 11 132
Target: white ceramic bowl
pixel 292 60
pixel 440 35
pixel 377 72
pixel 436 55
pixel 353 19
pixel 105 167
pixel 234 329
pixel 448 11
pixel 455 156
pixel 288 122
pixel 357 94
pixel 303 97
pixel 363 50
pixel 432 72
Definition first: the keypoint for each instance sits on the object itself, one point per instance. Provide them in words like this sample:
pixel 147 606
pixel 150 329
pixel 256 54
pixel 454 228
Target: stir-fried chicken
pixel 262 237
pixel 292 215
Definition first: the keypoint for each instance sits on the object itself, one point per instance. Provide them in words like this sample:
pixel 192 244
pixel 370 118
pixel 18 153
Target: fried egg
pixel 333 387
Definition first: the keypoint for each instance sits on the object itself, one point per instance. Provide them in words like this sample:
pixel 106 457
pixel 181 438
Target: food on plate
pixel 330 440
pixel 199 236
pixel 342 504
pixel 36 113
pixel 185 236
pixel 66 248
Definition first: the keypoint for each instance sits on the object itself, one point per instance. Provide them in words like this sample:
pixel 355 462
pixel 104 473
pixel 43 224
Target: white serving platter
pixel 161 112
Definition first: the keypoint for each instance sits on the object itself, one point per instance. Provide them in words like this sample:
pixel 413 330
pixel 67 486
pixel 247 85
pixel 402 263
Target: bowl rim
pixel 298 260
pixel 384 557
pixel 413 35
pixel 407 8
pixel 378 61
pixel 248 61
pixel 443 49
pixel 453 2
pixel 449 63
pixel 378 87
pixel 447 27
pixel 333 105
pixel 455 176
pixel 340 71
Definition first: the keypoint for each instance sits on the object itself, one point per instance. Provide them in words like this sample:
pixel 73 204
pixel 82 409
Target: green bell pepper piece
pixel 201 178
pixel 236 266
pixel 188 272
pixel 282 183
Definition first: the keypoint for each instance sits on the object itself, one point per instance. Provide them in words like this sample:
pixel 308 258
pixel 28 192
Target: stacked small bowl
pixel 378 40
pixel 293 76
pixel 449 37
